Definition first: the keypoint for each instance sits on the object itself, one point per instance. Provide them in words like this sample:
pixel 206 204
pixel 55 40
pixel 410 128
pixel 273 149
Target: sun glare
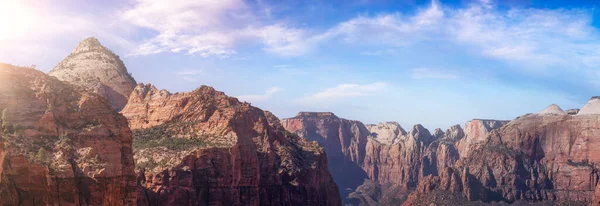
pixel 16 19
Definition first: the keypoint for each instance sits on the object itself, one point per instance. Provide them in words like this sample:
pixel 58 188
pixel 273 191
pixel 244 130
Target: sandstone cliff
pixel 95 68
pixel 393 161
pixel 205 148
pixel 536 157
pixel 343 140
pixel 59 145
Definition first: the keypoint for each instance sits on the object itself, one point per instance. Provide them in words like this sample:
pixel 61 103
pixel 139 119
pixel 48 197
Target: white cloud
pixel 44 33
pixel 254 98
pixel 343 91
pixel 198 27
pixel 209 28
pixel 427 73
pixel 529 38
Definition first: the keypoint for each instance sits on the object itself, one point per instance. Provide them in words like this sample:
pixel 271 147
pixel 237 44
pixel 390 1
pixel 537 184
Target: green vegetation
pixel 6 126
pixel 164 136
pixel 42 157
pixel 65 143
pixel 178 144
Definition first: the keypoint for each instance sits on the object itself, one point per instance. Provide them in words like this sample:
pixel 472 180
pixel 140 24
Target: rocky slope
pixel 392 161
pixel 205 148
pixel 536 157
pixel 95 68
pixel 61 146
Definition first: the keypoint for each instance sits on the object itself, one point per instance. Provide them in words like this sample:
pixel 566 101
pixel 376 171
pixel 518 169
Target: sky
pixel 435 63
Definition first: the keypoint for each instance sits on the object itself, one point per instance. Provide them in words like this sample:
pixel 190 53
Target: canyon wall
pixel 61 146
pixel 205 148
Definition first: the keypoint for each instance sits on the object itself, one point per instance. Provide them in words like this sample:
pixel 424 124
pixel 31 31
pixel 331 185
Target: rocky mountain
pixel 205 148
pixel 393 161
pixel 592 106
pixel 95 68
pixel 533 158
pixel 343 140
pixel 60 145
pixel 549 157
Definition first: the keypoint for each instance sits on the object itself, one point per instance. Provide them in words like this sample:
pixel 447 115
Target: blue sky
pixel 436 63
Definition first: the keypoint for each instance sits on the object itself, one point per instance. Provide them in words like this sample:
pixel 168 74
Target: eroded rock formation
pixel 533 158
pixel 95 68
pixel 344 141
pixel 61 146
pixel 205 148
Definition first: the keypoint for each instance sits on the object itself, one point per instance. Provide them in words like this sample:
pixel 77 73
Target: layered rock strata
pixel 205 148
pixel 61 146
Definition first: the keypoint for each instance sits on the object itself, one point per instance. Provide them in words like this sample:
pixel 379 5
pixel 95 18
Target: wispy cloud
pixel 342 91
pixel 190 75
pixel 379 52
pixel 43 33
pixel 254 98
pixel 427 73
pixel 209 28
pixel 529 38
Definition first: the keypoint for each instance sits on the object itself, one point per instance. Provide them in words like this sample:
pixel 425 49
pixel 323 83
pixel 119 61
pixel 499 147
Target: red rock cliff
pixel 536 157
pixel 205 148
pixel 344 141
pixel 391 159
pixel 61 146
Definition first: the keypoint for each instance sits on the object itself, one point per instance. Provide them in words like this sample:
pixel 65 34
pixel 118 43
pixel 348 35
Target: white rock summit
pixel 386 133
pixel 552 109
pixel 592 106
pixel 95 68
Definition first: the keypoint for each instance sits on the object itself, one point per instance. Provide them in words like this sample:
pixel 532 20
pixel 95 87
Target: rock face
pixel 592 106
pixel 596 198
pixel 476 132
pixel 343 140
pixel 572 111
pixel 533 158
pixel 61 146
pixel 386 133
pixel 391 159
pixel 205 148
pixel 95 68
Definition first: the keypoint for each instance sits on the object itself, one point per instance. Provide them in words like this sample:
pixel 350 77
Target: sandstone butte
pixel 205 148
pixel 95 68
pixel 60 145
pixel 549 158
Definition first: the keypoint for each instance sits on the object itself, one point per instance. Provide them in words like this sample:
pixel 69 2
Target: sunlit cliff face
pixel 16 18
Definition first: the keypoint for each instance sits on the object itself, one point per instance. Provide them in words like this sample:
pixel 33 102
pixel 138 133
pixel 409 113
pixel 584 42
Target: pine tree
pixel 41 156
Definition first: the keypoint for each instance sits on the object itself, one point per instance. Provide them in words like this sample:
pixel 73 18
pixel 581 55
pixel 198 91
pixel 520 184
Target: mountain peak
pixel 553 109
pixel 96 69
pixel 88 44
pixel 592 106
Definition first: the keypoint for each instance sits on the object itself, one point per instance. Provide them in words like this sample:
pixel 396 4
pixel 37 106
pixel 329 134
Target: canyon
pixel 550 157
pixel 88 134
